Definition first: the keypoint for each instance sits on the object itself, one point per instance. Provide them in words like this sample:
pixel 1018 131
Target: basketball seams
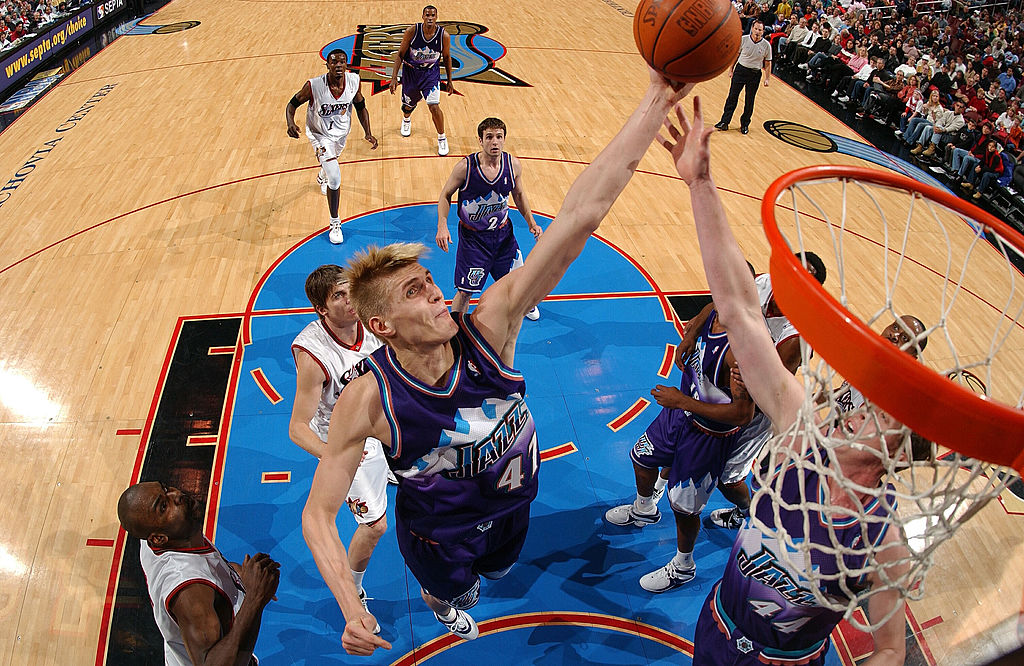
pixel 649 56
pixel 725 19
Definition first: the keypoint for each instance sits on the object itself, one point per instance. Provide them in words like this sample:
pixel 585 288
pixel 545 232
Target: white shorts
pixel 689 497
pixel 327 148
pixel 748 444
pixel 368 497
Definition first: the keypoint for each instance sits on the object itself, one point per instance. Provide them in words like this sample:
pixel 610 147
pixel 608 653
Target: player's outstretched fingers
pixel 359 638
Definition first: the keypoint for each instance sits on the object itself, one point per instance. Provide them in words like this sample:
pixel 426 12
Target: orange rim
pixel 951 415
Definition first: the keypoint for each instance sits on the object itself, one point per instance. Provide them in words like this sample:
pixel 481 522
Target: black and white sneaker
pixel 462 625
pixel 626 514
pixel 730 519
pixel 668 577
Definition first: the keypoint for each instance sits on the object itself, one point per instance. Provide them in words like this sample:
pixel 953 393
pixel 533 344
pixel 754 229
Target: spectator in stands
pixel 923 121
pixel 855 85
pixel 947 123
pixel 964 161
pixel 963 140
pixel 942 81
pixel 1007 80
pixel 821 44
pixel 988 169
pixel 909 49
pixel 844 63
pixel 913 109
pixel 797 32
pixel 999 105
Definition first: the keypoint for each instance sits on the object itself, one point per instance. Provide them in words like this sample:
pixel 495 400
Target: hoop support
pixel 917 396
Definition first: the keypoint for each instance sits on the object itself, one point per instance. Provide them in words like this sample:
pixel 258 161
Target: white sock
pixel 357 576
pixel 441 136
pixel 644 504
pixel 336 220
pixel 449 616
pixel 660 483
pixel 683 560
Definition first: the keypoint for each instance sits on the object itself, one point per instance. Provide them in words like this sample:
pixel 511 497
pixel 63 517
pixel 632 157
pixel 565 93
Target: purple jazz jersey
pixel 694 448
pixel 487 245
pixel 421 69
pixel 465 453
pixel 765 600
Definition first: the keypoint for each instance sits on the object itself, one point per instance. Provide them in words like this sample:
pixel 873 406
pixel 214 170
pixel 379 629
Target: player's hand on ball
pixel 673 90
pixel 359 638
pixel 688 144
pixel 443 239
pixel 372 140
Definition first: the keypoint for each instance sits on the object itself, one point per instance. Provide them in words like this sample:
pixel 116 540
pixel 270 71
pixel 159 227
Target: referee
pixel 755 56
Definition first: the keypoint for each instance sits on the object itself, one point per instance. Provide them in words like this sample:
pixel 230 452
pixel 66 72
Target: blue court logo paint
pixel 372 51
pixel 133 27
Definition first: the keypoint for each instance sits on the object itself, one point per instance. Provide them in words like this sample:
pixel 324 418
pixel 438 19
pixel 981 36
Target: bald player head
pixel 162 515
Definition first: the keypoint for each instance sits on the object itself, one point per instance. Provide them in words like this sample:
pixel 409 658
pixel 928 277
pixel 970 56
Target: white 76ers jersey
pixel 326 114
pixel 779 327
pixel 341 364
pixel 168 572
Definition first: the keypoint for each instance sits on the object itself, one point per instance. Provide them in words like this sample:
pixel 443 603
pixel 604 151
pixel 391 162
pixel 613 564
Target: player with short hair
pixel 446 402
pixel 692 436
pixel 208 610
pixel 733 485
pixel 487 244
pixel 761 610
pixel 424 46
pixel 331 98
pixel 329 353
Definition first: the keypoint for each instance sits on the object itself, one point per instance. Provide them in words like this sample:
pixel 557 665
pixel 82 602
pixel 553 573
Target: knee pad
pixel 333 173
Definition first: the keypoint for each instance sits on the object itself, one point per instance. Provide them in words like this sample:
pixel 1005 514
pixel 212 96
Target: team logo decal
pixel 357 506
pixel 643 446
pixel 744 644
pixel 475 276
pixel 372 51
pixel 133 27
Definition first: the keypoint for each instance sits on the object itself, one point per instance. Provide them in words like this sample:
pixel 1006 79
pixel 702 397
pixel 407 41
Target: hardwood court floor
pixel 157 183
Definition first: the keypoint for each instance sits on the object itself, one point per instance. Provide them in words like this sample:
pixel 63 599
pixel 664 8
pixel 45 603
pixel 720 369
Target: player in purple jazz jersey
pixel 692 436
pixel 445 401
pixel 487 245
pixel 762 611
pixel 424 47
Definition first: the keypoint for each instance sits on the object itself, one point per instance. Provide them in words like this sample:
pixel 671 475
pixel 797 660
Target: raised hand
pixel 689 144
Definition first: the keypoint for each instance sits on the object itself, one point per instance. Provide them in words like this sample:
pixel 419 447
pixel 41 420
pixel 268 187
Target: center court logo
pixel 372 52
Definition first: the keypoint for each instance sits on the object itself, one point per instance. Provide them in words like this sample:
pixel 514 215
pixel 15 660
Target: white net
pixel 889 253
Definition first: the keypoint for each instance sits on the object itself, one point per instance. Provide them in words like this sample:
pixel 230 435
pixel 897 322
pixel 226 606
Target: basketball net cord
pixel 923 502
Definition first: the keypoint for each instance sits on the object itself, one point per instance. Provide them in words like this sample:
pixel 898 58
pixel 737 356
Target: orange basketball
pixel 687 40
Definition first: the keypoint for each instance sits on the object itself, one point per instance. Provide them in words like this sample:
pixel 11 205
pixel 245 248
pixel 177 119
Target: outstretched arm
pixel 331 483
pixel 522 203
pixel 588 200
pixel 444 203
pixel 773 388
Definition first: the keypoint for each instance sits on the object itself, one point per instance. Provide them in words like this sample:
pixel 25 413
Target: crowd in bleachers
pixel 945 79
pixel 21 20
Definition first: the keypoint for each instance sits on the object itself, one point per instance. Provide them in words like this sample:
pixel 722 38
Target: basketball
pixel 687 40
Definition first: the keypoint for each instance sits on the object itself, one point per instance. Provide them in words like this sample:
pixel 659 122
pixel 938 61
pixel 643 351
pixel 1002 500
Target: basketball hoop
pixel 955 416
pixel 897 247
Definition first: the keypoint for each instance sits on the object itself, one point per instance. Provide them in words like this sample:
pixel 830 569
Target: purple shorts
pixel 695 458
pixel 420 84
pixel 716 644
pixel 450 571
pixel 483 253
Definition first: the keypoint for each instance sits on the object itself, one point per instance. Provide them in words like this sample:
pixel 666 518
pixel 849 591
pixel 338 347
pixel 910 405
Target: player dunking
pixel 329 353
pixel 424 46
pixel 487 244
pixel 331 98
pixel 448 406
pixel 763 612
